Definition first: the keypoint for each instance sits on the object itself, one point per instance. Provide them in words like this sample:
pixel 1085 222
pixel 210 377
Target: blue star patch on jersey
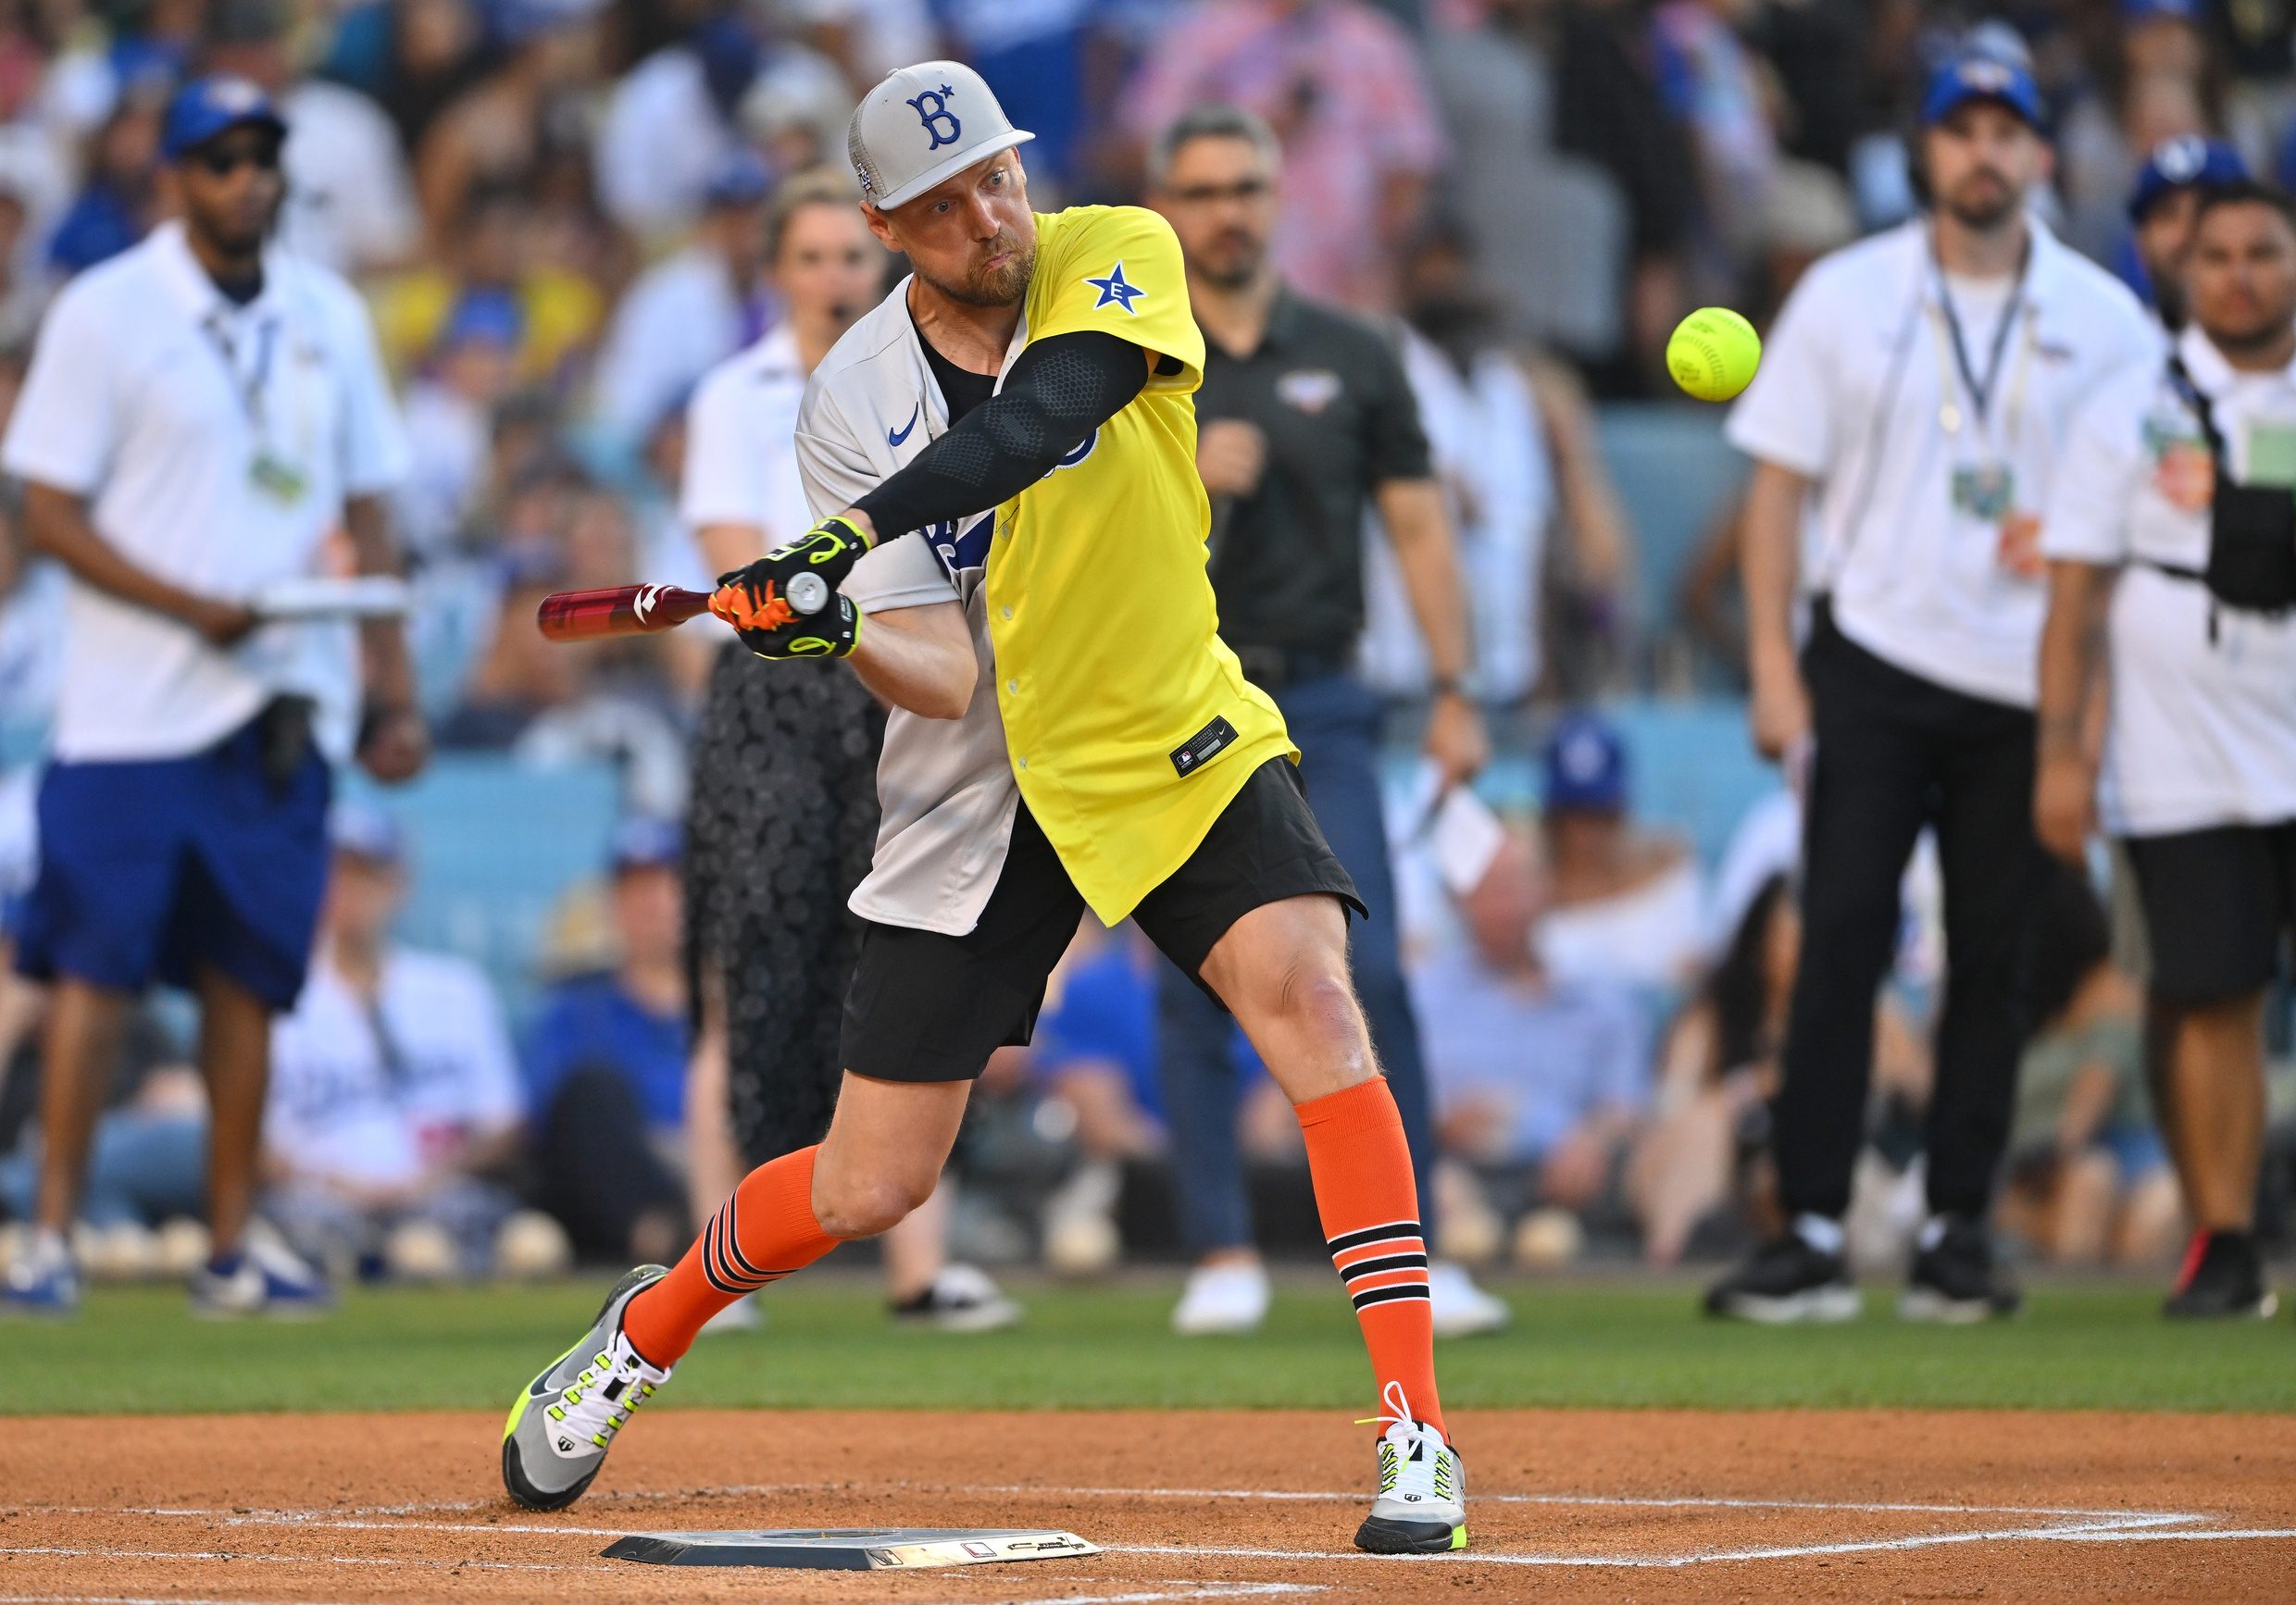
pixel 1113 289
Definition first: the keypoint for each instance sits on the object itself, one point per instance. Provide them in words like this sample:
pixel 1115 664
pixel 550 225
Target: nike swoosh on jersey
pixel 894 437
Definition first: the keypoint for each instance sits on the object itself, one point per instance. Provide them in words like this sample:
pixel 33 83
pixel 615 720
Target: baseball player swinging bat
pixel 620 610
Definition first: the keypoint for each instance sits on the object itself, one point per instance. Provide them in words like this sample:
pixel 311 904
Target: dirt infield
pixel 1654 1505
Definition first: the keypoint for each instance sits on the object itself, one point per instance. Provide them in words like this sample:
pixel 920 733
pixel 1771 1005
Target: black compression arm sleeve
pixel 1058 392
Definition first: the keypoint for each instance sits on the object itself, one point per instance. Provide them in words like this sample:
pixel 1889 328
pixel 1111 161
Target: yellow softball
pixel 1713 354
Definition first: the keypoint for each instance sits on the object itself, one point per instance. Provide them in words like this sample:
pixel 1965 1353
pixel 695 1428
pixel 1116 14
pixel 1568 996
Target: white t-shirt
pixel 681 318
pixel 1653 936
pixel 742 442
pixel 660 140
pixel 159 400
pixel 376 1096
pixel 1859 391
pixel 2202 720
pixel 350 201
pixel 1489 450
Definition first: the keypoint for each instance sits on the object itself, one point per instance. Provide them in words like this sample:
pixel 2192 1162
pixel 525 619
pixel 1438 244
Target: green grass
pixel 828 1345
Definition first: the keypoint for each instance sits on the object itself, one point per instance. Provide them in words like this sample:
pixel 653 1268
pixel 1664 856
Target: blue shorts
pixel 152 869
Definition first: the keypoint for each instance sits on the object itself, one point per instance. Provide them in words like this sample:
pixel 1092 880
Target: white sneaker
pixel 962 1299
pixel 1224 1299
pixel 41 1276
pixel 1421 1508
pixel 1462 1308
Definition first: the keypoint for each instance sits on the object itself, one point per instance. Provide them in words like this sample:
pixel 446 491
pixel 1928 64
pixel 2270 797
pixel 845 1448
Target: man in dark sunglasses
pixel 200 418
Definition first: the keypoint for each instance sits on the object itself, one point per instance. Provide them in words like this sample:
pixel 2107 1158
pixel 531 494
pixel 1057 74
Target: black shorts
pixel 2218 903
pixel 925 1006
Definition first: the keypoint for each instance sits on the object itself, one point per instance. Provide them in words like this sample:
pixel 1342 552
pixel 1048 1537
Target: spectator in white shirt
pixel 395 1101
pixel 2172 549
pixel 1627 908
pixel 690 311
pixel 1916 390
pixel 350 197
pixel 203 418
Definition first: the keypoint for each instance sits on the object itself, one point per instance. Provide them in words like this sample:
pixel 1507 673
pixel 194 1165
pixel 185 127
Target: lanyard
pixel 248 386
pixel 1981 392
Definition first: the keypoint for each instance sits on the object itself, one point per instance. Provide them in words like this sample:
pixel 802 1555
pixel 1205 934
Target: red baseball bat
pixel 616 610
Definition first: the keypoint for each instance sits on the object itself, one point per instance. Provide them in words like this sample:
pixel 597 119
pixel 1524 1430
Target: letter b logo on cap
pixel 940 121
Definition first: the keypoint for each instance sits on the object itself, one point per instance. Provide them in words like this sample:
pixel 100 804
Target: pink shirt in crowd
pixel 1341 83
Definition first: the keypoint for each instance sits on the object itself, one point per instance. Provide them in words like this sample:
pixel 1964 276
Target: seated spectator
pixel 2088 1180
pixel 449 417
pixel 494 250
pixel 1703 1160
pixel 1539 1079
pixel 692 309
pixel 394 1102
pixel 1626 906
pixel 117 201
pixel 605 1068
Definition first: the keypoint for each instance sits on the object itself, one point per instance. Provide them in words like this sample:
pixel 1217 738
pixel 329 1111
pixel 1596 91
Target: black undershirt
pixel 240 291
pixel 961 389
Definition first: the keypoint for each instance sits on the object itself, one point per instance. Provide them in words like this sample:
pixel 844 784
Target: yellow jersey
pixel 1128 722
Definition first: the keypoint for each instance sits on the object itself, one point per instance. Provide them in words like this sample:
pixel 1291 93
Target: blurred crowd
pixel 556 209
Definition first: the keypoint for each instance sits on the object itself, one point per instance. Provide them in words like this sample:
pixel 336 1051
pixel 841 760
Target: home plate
pixel 849 1549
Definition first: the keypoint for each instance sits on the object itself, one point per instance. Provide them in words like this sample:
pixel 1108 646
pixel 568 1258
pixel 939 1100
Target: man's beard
pixel 1239 267
pixel 1986 215
pixel 997 287
pixel 2168 300
pixel 2269 329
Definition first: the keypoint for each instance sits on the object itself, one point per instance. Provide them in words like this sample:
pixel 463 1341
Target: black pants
pixel 598 1173
pixel 1895 753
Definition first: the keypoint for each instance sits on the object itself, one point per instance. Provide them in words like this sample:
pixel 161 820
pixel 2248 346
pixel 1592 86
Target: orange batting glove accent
pixel 764 609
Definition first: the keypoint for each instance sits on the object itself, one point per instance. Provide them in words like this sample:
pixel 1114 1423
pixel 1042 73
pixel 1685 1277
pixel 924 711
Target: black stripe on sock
pixel 1381 1295
pixel 733 1240
pixel 1390 1262
pixel 1347 1241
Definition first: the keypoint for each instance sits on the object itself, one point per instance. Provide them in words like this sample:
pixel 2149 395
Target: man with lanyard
pixel 1917 385
pixel 202 417
pixel 2172 548
pixel 1306 416
pixel 1010 440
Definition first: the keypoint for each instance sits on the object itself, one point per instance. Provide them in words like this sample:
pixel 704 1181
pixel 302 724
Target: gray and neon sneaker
pixel 1422 1505
pixel 561 1425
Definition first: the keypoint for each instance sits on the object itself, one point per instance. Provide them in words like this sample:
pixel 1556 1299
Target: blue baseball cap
pixel 1981 75
pixel 2159 10
pixel 739 178
pixel 2184 162
pixel 365 832
pixel 1586 766
pixel 642 842
pixel 207 106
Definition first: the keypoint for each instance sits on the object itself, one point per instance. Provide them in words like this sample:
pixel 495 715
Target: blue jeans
pixel 141 1168
pixel 1335 724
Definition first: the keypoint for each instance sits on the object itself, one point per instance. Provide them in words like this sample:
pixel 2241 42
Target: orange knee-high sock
pixel 1369 1205
pixel 766 1231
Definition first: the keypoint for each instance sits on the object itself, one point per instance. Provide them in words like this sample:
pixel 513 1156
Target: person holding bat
pixel 784 814
pixel 1015 560
pixel 203 416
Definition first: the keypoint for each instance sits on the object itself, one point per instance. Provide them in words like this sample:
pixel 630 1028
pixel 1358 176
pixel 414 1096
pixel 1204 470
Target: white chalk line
pixel 2084 1525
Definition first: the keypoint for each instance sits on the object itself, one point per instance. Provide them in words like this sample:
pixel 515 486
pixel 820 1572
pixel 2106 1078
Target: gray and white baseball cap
pixel 921 125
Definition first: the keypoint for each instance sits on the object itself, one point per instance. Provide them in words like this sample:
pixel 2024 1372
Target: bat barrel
pixel 616 610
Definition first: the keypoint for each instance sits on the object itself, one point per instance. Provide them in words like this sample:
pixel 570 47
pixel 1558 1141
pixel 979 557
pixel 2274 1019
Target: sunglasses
pixel 1205 195
pixel 223 160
